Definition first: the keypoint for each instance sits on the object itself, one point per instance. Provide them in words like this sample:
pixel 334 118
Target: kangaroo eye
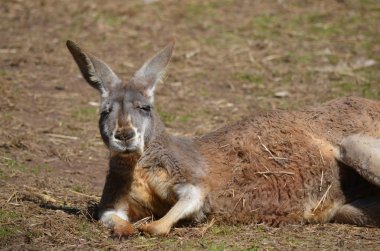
pixel 145 108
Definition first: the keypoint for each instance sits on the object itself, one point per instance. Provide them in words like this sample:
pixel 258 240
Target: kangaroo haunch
pixel 317 165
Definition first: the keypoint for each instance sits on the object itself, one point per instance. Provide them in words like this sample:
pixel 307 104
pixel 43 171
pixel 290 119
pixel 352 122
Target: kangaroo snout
pixel 125 134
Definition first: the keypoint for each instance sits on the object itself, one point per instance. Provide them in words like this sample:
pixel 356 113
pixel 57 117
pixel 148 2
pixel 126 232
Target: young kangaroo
pixel 317 165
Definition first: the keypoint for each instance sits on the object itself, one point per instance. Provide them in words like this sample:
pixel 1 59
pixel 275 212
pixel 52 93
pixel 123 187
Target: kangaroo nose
pixel 124 134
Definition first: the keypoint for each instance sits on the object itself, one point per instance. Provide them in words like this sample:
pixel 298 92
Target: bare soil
pixel 231 58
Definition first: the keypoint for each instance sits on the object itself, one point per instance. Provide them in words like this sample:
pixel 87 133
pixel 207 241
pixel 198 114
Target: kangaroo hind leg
pixel 362 153
pixel 362 212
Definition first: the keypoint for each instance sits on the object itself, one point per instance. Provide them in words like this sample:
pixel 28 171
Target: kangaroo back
pixel 280 166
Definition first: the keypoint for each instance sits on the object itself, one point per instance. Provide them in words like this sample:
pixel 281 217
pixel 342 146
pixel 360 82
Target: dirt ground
pixel 231 58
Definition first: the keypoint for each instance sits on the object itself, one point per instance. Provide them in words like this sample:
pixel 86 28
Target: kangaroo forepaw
pixel 154 228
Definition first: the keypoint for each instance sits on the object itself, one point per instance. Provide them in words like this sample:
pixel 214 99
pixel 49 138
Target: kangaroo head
pixel 127 119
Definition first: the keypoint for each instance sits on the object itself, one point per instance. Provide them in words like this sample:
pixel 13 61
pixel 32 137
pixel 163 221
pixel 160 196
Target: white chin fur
pixel 119 146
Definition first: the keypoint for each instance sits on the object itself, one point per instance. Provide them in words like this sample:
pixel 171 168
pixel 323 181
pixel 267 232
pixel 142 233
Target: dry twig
pixel 323 198
pixel 59 136
pixel 85 195
pixel 205 228
pixel 277 159
pixel 275 172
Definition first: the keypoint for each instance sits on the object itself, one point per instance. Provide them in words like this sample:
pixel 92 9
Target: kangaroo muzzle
pixel 125 134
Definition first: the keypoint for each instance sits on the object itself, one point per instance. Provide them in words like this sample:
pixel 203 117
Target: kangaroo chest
pixel 150 193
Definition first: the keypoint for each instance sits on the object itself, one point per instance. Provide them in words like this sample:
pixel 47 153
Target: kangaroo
pixel 317 165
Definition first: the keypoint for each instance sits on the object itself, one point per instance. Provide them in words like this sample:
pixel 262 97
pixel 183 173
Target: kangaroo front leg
pixel 190 202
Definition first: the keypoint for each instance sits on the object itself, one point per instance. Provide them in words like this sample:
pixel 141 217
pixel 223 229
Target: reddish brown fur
pixel 237 160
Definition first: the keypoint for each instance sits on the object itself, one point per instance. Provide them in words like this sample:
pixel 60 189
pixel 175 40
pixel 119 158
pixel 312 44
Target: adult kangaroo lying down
pixel 319 165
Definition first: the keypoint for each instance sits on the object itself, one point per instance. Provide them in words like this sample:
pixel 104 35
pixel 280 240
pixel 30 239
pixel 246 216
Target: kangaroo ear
pixel 97 73
pixel 153 70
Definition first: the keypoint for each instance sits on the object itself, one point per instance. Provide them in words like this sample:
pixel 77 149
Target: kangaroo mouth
pixel 125 146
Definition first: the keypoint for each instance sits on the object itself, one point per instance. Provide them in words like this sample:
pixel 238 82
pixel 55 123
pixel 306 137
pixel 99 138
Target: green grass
pixel 80 188
pixel 14 165
pixel 205 9
pixel 3 73
pixel 7 232
pixel 184 118
pixel 6 216
pixel 217 246
pixel 263 26
pixel 301 57
pixel 169 118
pixel 86 229
pixel 85 114
pixel 247 77
pixel 166 117
pixel 222 230
pixel 7 229
pixel 41 169
pixel 365 89
pixel 111 19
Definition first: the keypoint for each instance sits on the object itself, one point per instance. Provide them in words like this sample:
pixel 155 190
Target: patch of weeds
pixel 217 246
pixel 248 77
pixel 294 242
pixel 166 117
pixel 204 92
pixel 209 41
pixel 346 87
pixel 316 24
pixel 254 247
pixel 85 113
pixel 197 13
pixel 110 19
pixel 205 8
pixel 41 168
pixel 169 243
pixel 264 21
pixel 145 242
pixel 333 59
pixel 222 230
pixel 184 118
pixel 14 165
pixel 325 30
pixel 368 92
pixel 86 229
pixel 7 117
pixel 77 20
pixel 264 26
pixel 6 216
pixel 301 58
pixel 241 99
pixel 79 188
pixel 8 230
pixel 85 145
pixel 3 73
pixel 195 10
pixel 369 1
pixel 198 76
